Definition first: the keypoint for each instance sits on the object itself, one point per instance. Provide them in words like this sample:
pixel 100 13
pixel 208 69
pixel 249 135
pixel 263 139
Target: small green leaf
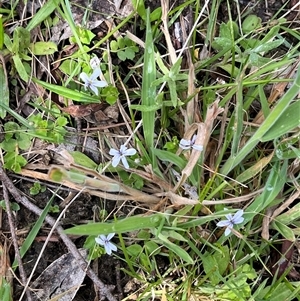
pixel 24 140
pixel 61 121
pixel 130 54
pixel 284 230
pixel 8 43
pixel 20 68
pixel 139 6
pixel 21 39
pixel 251 23
pixel 220 43
pixel 225 31
pixel 121 43
pixel 155 14
pixel 121 55
pixel 268 46
pixel 68 67
pixel 176 249
pixel 35 189
pixel 9 145
pixel 83 160
pixel 43 48
pixel 152 247
pixel 14 162
pixel 134 250
pixel 57 175
pixel 257 60
pixel 10 128
pixel 13 206
pixel 114 46
pixel 211 268
pixel 110 94
pixel 85 35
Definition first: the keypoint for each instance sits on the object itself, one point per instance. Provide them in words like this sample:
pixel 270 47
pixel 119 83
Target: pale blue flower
pixel 104 241
pixel 188 144
pixel 92 82
pixel 120 155
pixel 231 220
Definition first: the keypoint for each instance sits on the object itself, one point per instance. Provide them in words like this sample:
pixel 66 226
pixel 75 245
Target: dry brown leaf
pixel 94 112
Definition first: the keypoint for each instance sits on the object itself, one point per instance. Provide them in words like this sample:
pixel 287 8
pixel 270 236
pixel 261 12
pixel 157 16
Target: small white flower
pixel 104 241
pixel 188 144
pixel 92 82
pixel 231 220
pixel 95 62
pixel 120 155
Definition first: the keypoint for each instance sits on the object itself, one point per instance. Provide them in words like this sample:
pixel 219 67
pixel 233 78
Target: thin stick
pixel 14 240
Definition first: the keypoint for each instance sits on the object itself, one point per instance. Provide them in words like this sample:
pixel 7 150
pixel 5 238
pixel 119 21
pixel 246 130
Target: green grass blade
pixel 4 92
pixel 119 226
pixel 274 115
pixel 15 115
pixel 238 118
pixel 68 93
pixel 288 121
pixel 67 14
pixel 45 11
pixel 148 91
pixel 34 231
pixel 273 186
pixel 5 290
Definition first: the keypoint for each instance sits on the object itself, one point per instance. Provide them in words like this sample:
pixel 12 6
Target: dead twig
pixel 14 240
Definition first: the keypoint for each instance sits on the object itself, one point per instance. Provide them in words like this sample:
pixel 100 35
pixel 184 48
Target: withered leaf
pixel 94 113
pixel 81 111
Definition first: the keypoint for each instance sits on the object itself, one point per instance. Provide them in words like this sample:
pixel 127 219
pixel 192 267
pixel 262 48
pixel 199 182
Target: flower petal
pixel 100 83
pixel 123 149
pixel 198 147
pixel 194 139
pixel 129 152
pixel 84 77
pixel 227 231
pixel 115 160
pixel 185 144
pixel 95 74
pixel 109 247
pixel 99 241
pixel 94 89
pixel 224 223
pixel 238 217
pixel 229 216
pixel 124 161
pixel 114 152
pixel 113 247
pixel 110 236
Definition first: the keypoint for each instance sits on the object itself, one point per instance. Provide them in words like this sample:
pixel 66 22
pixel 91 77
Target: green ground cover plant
pixel 205 143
